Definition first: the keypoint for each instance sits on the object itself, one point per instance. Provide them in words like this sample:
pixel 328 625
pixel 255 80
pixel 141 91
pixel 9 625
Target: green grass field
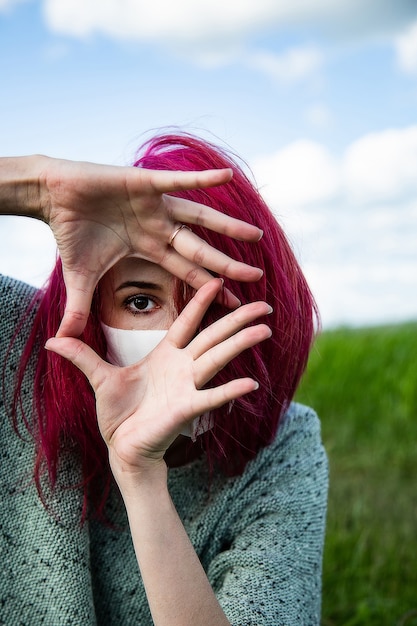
pixel 363 384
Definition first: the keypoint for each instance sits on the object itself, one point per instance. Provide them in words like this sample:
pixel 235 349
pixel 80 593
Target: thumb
pixel 72 324
pixel 82 356
pixel 80 291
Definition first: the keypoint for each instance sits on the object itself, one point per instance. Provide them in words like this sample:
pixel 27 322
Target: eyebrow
pixel 138 284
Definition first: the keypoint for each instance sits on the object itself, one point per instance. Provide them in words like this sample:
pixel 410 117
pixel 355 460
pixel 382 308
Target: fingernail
pixel 230 300
pixel 270 310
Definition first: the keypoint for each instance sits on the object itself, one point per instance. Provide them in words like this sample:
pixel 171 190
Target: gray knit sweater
pixel 259 536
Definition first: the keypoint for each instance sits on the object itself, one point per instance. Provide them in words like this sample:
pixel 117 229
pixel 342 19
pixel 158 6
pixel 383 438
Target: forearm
pixel 177 587
pixel 20 188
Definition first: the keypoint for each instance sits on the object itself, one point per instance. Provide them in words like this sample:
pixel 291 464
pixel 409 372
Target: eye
pixel 140 304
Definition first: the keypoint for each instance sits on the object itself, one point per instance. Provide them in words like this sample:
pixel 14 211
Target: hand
pixel 142 408
pixel 100 214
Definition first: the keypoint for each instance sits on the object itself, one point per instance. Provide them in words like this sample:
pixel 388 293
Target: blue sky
pixel 319 97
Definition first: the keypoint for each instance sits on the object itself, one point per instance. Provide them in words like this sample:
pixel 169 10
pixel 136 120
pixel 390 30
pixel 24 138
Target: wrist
pixel 22 187
pixel 147 479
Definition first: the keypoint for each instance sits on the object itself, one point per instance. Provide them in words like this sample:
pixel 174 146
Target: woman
pixel 227 526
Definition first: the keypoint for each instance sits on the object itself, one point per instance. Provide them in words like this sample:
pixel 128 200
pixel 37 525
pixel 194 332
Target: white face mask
pixel 125 347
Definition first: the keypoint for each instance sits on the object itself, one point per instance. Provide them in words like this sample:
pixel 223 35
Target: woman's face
pixel 137 294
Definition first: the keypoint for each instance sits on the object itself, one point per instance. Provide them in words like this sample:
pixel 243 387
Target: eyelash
pixel 142 297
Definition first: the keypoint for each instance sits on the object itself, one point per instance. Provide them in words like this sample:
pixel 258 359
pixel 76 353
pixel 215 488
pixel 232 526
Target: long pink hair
pixel 63 402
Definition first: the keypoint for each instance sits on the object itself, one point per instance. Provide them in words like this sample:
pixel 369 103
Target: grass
pixel 363 384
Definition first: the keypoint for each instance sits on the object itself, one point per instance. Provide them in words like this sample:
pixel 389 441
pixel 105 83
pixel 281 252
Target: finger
pixel 72 323
pixel 226 327
pixel 195 276
pixel 215 359
pixel 185 326
pixel 202 215
pixel 80 288
pixel 76 313
pixel 215 397
pixel 82 356
pixel 166 181
pixel 192 247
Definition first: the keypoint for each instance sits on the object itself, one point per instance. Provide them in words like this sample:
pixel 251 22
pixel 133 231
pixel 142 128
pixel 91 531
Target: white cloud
pixel 379 167
pixel 302 173
pixel 217 21
pixel 293 65
pixel 28 250
pixel 382 166
pixel 179 21
pixel 406 48
pixel 362 292
pixel 354 220
pixel 214 32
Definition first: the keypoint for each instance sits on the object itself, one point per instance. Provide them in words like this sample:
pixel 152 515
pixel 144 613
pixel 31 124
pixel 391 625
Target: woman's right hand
pixel 141 409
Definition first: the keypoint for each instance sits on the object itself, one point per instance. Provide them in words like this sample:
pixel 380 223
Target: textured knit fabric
pixel 259 536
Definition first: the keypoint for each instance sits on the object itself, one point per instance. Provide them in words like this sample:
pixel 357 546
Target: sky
pixel 318 97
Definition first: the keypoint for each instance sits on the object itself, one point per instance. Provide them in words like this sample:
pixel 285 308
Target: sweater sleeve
pixel 15 297
pixel 269 574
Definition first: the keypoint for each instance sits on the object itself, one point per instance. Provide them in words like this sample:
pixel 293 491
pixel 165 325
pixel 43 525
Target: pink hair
pixel 63 400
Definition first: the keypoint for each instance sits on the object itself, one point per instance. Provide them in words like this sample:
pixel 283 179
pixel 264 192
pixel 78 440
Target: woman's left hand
pixel 141 409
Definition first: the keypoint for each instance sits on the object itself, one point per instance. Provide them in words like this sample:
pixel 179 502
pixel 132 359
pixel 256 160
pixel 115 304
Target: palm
pixel 100 214
pixel 153 401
